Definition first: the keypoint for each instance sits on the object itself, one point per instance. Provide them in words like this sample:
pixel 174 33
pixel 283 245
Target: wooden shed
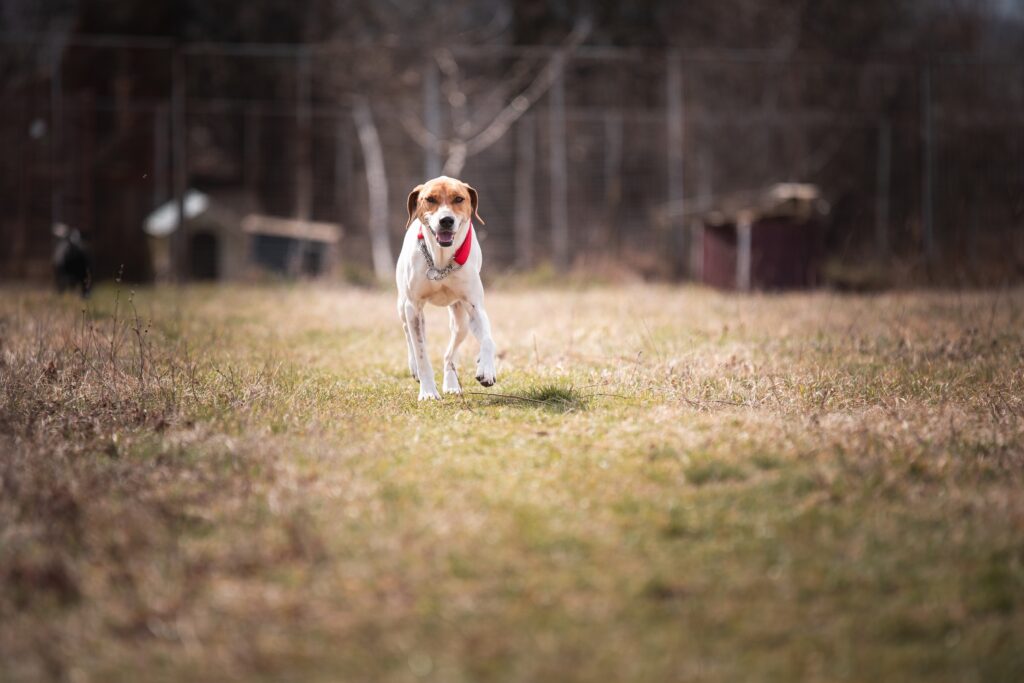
pixel 769 239
pixel 227 240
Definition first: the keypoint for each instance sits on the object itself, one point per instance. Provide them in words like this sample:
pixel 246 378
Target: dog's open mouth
pixel 445 237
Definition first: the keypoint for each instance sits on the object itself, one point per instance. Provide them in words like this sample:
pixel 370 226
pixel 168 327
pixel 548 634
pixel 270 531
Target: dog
pixel 440 264
pixel 72 267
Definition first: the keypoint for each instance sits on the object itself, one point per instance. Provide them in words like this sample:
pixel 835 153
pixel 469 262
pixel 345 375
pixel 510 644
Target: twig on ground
pixel 508 396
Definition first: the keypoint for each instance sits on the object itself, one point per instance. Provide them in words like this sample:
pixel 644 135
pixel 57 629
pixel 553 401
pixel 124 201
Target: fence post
pixel 161 154
pixel 705 198
pixel 303 158
pixel 342 167
pixel 253 137
pixel 674 112
pixel 559 172
pixel 432 117
pixel 524 210
pixel 179 245
pixel 882 177
pixel 56 135
pixel 15 251
pixel 86 135
pixel 612 178
pixel 927 216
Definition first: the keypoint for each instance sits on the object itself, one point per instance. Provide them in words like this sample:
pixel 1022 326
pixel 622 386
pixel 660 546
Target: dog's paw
pixel 485 373
pixel 429 394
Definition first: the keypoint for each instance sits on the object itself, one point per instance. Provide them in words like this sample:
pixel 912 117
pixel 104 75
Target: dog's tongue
pixel 445 238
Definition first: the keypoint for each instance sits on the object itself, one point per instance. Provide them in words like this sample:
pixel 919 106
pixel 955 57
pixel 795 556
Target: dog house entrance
pixel 204 250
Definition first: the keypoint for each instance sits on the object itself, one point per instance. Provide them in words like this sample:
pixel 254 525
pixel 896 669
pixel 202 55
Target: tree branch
pixel 540 85
pixel 461 147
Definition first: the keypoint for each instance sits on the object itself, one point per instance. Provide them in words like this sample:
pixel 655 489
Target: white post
pixel 743 256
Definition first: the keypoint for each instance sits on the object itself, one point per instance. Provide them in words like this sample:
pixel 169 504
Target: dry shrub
pixel 98 475
pixel 81 375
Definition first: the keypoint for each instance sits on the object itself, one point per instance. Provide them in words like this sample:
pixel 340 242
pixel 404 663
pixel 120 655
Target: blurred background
pixel 740 143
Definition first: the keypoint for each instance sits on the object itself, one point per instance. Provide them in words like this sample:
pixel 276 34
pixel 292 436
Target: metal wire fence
pixel 609 166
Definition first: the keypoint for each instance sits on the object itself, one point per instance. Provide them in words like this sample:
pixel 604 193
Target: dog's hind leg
pixel 458 323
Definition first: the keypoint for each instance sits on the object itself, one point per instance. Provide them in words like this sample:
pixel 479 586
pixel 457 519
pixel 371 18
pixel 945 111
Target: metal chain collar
pixel 433 272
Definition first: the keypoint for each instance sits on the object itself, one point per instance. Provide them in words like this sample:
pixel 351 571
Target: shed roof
pixel 164 220
pixel 314 231
pixel 801 201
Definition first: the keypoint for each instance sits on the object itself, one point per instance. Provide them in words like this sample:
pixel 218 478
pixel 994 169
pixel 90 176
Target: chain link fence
pixel 607 168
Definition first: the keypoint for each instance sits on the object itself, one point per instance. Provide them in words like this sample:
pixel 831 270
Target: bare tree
pixel 469 140
pixel 377 184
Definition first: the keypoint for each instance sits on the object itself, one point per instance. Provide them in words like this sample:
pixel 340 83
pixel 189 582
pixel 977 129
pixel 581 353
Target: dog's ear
pixel 474 199
pixel 414 198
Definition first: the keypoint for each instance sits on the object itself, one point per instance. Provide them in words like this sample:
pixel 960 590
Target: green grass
pixel 665 484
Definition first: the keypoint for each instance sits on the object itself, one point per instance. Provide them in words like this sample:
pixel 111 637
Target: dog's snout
pixel 446 222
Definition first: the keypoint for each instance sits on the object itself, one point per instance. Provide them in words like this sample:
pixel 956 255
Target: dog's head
pixel 445 206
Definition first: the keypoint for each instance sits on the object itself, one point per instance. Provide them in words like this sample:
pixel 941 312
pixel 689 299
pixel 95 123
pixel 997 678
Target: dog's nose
pixel 446 222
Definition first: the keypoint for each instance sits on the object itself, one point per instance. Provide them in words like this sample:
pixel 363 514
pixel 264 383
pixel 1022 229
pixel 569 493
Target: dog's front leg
pixel 481 327
pixel 418 329
pixel 410 347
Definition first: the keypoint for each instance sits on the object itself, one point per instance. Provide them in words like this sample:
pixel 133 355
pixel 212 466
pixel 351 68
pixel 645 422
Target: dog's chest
pixel 440 293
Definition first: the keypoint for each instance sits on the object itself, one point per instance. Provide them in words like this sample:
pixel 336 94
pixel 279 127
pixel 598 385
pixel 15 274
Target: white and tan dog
pixel 440 263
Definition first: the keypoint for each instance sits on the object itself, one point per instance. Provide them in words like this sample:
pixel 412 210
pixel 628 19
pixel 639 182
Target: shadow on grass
pixel 553 397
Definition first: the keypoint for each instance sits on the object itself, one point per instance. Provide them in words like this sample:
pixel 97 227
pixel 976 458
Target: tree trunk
pixel 377 183
pixel 456 160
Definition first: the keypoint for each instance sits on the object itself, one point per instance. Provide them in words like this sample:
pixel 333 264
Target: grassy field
pixel 239 484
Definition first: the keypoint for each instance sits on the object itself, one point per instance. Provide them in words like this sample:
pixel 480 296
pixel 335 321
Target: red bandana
pixel 462 253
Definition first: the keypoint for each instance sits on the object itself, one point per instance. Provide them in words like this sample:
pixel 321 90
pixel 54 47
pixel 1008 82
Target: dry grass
pixel 238 484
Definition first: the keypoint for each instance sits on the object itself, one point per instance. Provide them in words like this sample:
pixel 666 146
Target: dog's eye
pixel 459 200
pixel 431 200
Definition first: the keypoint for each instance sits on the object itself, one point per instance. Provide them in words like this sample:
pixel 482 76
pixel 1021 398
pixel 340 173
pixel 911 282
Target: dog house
pixel 226 240
pixel 772 239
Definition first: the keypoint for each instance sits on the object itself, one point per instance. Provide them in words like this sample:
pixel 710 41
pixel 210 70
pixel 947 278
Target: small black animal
pixel 72 268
